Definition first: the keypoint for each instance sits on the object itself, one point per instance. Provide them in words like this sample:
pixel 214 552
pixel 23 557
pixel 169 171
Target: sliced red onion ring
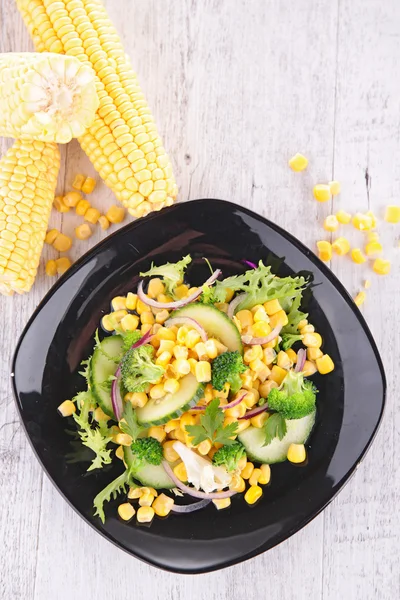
pixel 255 411
pixel 188 508
pixel 192 491
pixel 230 405
pixel 234 303
pixel 188 321
pixel 301 359
pixel 251 264
pixel 179 303
pixel 251 341
pixel 116 399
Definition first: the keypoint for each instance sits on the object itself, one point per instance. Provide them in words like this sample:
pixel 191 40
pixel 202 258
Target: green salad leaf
pixel 171 273
pixel 117 486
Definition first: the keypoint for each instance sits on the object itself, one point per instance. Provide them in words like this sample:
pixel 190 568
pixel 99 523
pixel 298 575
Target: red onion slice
pixel 116 399
pixel 255 411
pixel 179 303
pixel 251 341
pixel 188 321
pixel 188 508
pixel 250 264
pixel 192 491
pixel 234 303
pixel 301 359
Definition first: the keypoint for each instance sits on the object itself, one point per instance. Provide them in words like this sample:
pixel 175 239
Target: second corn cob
pixel 28 179
pixel 123 142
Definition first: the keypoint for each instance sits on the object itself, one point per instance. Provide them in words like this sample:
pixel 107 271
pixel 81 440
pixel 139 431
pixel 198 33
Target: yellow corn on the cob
pixel 123 142
pixel 46 97
pixel 28 178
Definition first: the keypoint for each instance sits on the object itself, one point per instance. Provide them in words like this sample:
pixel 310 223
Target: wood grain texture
pixel 236 88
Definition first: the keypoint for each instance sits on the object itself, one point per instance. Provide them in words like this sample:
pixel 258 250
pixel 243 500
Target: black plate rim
pixel 319 265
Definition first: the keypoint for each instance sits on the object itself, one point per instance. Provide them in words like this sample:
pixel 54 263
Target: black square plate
pixel 60 334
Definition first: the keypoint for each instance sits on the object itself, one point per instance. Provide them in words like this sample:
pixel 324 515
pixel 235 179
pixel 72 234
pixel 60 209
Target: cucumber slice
pixel 215 322
pixel 149 475
pixel 101 367
pixel 172 406
pixel 298 431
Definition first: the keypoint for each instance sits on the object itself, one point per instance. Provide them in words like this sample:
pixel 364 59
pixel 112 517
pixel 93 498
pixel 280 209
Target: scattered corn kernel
pixel 279 318
pixel 62 264
pixel 265 476
pixel 314 353
pixel 92 215
pixel 162 505
pixel 341 246
pixel 59 204
pixel 283 360
pixel 245 317
pixel 83 232
pixel 298 162
pixel 253 494
pixel 367 284
pixel 381 266
pixel 78 182
pixel 373 248
pixel 278 374
pixel 325 364
pixel 66 408
pixel 334 186
pixel 115 214
pixel 203 371
pixel 51 236
pixel 343 217
pixel 237 484
pixel 324 250
pixel 272 307
pixel 247 471
pixel 145 514
pixel 312 340
pixel 362 222
pixel 169 453
pixel 360 298
pixel 130 322
pixel 307 329
pixel 331 223
pixel 62 243
pixel 322 192
pixel 180 472
pixel 147 498
pixel 131 300
pixel 71 199
pixel 134 493
pixel 309 368
pixel 296 453
pixel 51 268
pixel 392 214
pixel 357 256
pixel 222 503
pixel 88 185
pixel 126 511
pixel 254 477
pixel 104 222
pixel 302 324
pixel 82 207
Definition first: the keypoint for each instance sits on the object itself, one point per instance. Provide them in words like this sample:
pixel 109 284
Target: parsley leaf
pixel 275 426
pixel 129 423
pixel 211 427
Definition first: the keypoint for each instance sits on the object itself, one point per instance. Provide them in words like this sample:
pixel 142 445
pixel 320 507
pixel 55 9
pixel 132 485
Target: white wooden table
pixel 237 87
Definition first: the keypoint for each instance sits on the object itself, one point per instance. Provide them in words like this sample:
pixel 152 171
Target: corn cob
pixel 28 178
pixel 123 142
pixel 45 97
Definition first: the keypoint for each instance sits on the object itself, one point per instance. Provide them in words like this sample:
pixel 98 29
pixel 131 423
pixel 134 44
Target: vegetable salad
pixel 198 390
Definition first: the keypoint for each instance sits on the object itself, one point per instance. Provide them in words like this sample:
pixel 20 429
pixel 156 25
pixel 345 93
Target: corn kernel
pixel 260 329
pixel 147 318
pixel 307 329
pixel 204 447
pixel 341 246
pixel 373 236
pixel 171 386
pixel 360 298
pixel 325 364
pixel 325 250
pixel 283 360
pixel 146 499
pixel 166 333
pixel 145 514
pixel 259 420
pixel 92 215
pixel 313 353
pixel 237 484
pixel 131 301
pixel 51 236
pixel 362 222
pixel 278 374
pixel 257 365
pixel 182 366
pixel 251 398
pixel 254 477
pixel 222 503
pixel 118 303
pixel 392 214
pixel 78 182
pixel 122 439
pixel 309 368
pixel 334 186
pixel 343 217
pixel 71 199
pixel 130 322
pixel 106 323
pixel 266 387
pixel 322 192
pixel 168 451
pixel 181 291
pixel 201 351
pixel 180 472
pixel 67 408
pixel 88 185
pixel 164 298
pixel 279 318
pixel 331 223
pixel 211 349
pixel 247 380
pixel 272 307
pixel 83 232
pixel 312 340
pixel 59 204
pixel 381 266
pixel 104 222
pixel 298 162
pixel 137 399
pixel 296 453
pixel 292 355
pixel 253 494
pixel 192 338
pixel 51 268
pixel 373 248
pixel 115 214
pixel 247 471
pixel 158 433
pixel 157 391
pixel 63 264
pixel 62 243
pixel 192 365
pixel 269 355
pixel 126 511
pixel 134 493
pixel 82 207
pixel 357 256
pixel 155 287
pixel 302 324
pixel 203 371
pixel 253 353
pixel 265 476
pixel 367 284
pixel 162 505
pixel 245 317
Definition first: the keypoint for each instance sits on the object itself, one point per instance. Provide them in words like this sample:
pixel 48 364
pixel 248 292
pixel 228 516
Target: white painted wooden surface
pixel 237 87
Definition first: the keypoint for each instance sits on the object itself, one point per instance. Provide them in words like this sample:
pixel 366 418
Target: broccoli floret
pixel 138 369
pixel 229 456
pixel 295 398
pixel 226 368
pixel 288 339
pixel 172 273
pixel 129 338
pixel 147 450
